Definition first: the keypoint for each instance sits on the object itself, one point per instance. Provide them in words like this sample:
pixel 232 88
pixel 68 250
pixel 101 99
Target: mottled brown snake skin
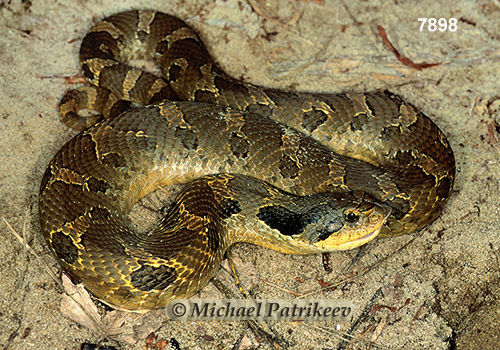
pixel 295 172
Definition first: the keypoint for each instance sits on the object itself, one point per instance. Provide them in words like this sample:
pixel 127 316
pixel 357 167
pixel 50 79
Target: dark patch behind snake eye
pixel 149 277
pixel 282 219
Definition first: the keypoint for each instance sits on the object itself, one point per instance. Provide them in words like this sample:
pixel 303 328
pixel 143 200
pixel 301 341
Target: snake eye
pixel 352 216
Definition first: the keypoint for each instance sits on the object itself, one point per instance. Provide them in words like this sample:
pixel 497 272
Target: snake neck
pixel 216 210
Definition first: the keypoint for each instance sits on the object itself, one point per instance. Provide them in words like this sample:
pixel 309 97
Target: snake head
pixel 345 223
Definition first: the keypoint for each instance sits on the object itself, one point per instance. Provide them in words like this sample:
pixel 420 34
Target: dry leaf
pixel 77 305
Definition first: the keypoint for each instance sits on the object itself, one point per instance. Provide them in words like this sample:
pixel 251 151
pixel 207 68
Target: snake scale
pixel 295 172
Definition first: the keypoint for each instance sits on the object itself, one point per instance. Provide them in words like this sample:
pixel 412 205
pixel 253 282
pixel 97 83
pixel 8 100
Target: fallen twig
pixel 403 59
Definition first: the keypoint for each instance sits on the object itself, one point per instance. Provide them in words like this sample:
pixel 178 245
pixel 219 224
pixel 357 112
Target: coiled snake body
pixel 296 172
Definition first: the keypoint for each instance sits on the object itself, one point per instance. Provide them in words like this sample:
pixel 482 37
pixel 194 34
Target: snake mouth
pixel 368 237
pixel 360 241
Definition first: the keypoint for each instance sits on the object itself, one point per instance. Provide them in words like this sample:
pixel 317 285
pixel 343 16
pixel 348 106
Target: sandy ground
pixel 441 285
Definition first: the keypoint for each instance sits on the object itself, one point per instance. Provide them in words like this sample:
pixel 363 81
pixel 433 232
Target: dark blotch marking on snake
pixel 224 84
pixel 76 190
pixel 119 107
pixel 230 207
pixel 371 104
pixel 64 247
pixel 188 137
pixel 159 21
pixel 239 145
pixel 397 99
pixel 390 132
pixel 114 159
pixel 417 174
pixel 108 46
pixel 142 35
pixel 313 119
pixel 444 187
pixel 288 168
pixel 205 96
pixel 290 223
pixel 174 72
pixel 98 213
pixel 282 219
pixel 97 185
pixel 213 238
pixel 148 277
pixel 260 109
pixel 358 121
pixel 193 49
